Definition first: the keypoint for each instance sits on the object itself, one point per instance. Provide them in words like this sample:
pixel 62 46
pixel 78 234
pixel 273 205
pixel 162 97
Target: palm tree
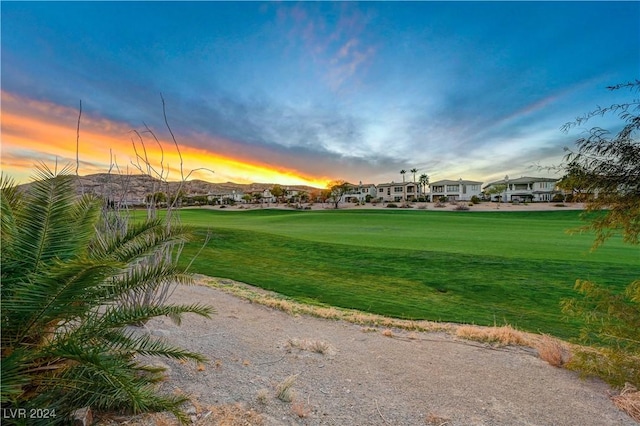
pixel 424 181
pixel 414 171
pixel 66 338
pixel 402 172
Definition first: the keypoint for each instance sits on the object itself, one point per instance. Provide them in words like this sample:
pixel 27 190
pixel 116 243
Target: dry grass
pixel 263 396
pixel 387 332
pixel 300 409
pixel 328 312
pixel 284 391
pixel 218 415
pixel 232 415
pixel 553 351
pixel 628 401
pixel 504 336
pixel 434 420
pixel 317 346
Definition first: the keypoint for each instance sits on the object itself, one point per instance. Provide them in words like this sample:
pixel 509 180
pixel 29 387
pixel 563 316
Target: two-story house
pixel 455 190
pixel 359 192
pixel 397 192
pixel 525 189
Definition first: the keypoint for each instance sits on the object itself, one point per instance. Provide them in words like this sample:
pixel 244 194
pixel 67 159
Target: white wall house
pixel 455 190
pixel 525 189
pixel 396 192
pixel 359 192
pixel 224 197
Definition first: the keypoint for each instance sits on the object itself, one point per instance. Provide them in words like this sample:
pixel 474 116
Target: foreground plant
pixel 605 174
pixel 66 337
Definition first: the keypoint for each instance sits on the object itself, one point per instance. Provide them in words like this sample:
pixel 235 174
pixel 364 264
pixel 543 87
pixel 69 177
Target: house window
pixel 452 188
pixel 475 187
pixel 381 190
pixel 397 189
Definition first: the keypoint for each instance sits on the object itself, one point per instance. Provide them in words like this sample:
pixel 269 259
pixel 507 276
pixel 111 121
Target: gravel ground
pixel 346 374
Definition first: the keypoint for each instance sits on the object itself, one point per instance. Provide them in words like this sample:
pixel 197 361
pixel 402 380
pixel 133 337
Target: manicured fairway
pixel 474 267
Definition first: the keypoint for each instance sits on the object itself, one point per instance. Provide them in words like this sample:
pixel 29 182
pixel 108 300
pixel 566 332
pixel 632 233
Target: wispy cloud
pixel 338 46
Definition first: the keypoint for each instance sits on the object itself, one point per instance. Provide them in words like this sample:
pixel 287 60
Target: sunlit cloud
pixel 30 135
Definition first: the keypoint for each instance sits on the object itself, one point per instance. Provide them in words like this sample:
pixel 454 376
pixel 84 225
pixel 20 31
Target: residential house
pixel 525 189
pixel 396 192
pixel 225 197
pixel 262 196
pixel 455 190
pixel 360 192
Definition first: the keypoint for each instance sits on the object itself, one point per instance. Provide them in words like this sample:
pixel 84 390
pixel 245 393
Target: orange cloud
pixel 38 131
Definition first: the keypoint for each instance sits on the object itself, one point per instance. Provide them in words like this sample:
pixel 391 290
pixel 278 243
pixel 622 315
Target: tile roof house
pixel 396 192
pixel 526 188
pixel 455 190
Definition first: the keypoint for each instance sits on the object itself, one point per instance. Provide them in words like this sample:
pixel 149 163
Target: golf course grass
pixel 467 267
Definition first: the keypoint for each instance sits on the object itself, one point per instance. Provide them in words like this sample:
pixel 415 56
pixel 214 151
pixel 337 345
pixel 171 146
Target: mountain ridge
pixel 138 186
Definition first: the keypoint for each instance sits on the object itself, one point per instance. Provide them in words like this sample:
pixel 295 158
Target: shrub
pixel 392 206
pixel 461 207
pixel 612 330
pixel 64 325
pixel 475 199
pixel 557 198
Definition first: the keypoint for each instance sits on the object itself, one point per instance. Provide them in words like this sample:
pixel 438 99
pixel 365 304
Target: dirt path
pixel 344 374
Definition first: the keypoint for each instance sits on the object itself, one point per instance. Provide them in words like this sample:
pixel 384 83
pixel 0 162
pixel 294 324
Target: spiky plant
pixel 66 340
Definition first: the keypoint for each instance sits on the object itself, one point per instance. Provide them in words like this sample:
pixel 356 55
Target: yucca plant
pixel 66 339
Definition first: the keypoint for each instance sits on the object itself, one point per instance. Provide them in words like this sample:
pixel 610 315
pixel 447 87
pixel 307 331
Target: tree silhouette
pixel 424 181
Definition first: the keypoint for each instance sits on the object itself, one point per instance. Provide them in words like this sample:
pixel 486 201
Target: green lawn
pixel 473 267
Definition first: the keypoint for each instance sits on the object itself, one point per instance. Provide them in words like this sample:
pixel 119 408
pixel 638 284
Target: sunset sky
pixel 303 93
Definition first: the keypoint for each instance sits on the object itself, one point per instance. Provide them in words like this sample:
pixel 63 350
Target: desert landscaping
pixel 272 367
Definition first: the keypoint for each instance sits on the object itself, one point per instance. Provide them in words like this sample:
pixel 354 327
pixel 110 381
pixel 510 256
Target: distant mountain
pixel 136 187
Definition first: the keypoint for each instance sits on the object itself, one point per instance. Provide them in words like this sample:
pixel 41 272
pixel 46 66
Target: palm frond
pixel 12 377
pixel 70 287
pixel 9 201
pixel 104 381
pixel 119 316
pixel 144 277
pixel 141 240
pixel 130 343
pixel 61 294
pixel 48 226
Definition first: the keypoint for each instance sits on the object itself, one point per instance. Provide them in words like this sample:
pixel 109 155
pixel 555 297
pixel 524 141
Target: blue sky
pixel 315 91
